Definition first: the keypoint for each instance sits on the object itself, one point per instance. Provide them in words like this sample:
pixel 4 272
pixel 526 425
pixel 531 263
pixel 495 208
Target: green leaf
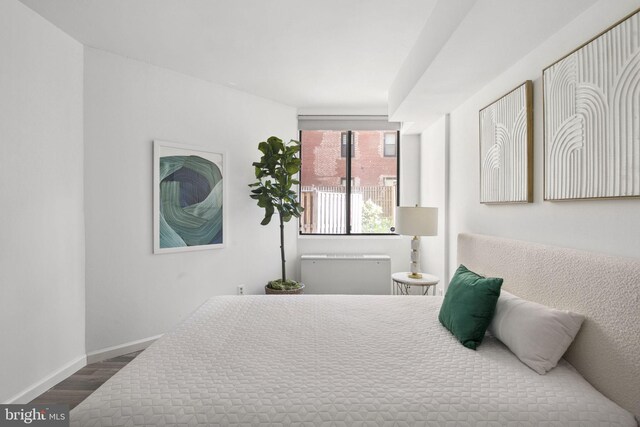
pixel 264 147
pixel 269 210
pixel 275 144
pixel 266 220
pixel 292 169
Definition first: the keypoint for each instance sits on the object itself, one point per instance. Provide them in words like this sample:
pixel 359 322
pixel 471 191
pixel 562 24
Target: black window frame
pixel 349 178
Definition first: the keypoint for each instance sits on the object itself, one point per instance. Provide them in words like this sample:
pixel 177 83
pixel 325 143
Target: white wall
pixel 409 170
pixel 609 226
pixel 433 192
pixel 131 293
pixel 397 247
pixel 42 226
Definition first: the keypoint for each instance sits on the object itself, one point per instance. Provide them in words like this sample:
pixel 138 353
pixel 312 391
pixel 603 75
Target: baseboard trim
pixel 36 389
pixel 119 350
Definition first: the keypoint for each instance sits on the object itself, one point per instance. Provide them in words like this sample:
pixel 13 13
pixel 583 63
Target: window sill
pixel 349 237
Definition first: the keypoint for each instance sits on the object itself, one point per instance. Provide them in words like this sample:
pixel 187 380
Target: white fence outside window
pixel 325 207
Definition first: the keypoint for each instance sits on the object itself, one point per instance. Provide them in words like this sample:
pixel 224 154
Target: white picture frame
pixel 189 198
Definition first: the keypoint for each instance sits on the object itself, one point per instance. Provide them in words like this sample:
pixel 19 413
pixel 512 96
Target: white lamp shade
pixel 417 221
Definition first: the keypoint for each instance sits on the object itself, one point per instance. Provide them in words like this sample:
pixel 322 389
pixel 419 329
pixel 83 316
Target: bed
pixel 345 360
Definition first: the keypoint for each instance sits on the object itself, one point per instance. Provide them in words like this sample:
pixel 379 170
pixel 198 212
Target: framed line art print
pixel 506 148
pixel 188 198
pixel 591 111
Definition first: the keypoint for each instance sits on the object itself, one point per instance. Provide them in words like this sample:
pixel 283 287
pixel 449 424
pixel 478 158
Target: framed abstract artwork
pixel 506 148
pixel 188 198
pixel 591 109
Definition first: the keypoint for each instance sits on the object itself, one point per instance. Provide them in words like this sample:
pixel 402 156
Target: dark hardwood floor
pixel 80 385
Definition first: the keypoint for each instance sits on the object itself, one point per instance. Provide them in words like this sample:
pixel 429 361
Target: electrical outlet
pixel 240 289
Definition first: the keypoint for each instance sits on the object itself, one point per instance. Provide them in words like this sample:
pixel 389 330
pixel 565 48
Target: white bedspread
pixel 335 361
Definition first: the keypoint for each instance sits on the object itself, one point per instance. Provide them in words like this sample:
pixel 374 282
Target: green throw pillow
pixel 469 305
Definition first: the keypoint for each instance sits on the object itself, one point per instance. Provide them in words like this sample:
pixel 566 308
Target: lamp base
pixel 415 259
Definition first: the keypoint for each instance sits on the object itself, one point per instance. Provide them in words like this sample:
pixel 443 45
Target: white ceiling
pixel 490 37
pixel 314 54
pixel 412 59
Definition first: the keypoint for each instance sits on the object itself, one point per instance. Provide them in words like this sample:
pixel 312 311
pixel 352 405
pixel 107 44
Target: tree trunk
pixel 284 273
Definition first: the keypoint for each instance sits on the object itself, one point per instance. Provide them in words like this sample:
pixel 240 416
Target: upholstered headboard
pixel 605 289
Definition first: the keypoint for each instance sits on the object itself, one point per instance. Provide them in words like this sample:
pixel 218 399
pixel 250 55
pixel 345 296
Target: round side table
pixel 403 283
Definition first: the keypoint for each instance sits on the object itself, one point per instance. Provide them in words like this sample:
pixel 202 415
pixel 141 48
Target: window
pixel 389 181
pixel 343 181
pixel 390 146
pixel 344 143
pixel 345 195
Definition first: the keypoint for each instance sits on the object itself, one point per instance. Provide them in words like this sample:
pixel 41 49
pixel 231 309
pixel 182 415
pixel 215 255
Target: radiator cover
pixel 346 274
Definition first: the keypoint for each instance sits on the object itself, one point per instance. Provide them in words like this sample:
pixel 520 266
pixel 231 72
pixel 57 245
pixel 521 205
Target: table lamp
pixel 416 221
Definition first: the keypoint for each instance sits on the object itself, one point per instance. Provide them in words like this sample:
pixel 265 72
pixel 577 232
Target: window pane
pixel 373 195
pixel 390 145
pixel 322 183
pixel 343 145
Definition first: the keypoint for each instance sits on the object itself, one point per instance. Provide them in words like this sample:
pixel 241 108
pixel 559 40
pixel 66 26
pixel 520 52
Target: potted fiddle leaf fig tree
pixel 275 174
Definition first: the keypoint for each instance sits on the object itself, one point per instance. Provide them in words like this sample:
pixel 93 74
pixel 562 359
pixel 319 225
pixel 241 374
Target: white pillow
pixel 537 334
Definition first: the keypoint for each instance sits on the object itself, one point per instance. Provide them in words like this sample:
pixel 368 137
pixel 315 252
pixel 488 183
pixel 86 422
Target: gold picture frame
pixel 591 133
pixel 506 147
